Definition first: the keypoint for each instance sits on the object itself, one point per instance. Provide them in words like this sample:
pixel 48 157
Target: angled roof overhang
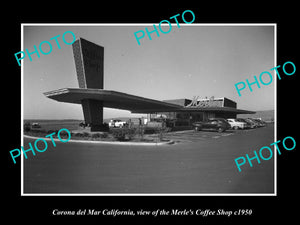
pixel 133 103
pixel 111 99
pixel 217 109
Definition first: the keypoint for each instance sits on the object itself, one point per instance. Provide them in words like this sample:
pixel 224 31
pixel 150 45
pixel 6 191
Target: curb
pixel 106 142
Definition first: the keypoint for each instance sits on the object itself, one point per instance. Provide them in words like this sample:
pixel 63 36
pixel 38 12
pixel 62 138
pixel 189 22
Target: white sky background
pixel 188 61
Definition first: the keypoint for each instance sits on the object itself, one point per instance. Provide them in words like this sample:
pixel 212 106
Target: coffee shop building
pixel 195 110
pixel 92 96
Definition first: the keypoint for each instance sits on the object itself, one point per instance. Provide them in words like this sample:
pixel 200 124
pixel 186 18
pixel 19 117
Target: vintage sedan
pixel 218 124
pixel 248 123
pixel 236 124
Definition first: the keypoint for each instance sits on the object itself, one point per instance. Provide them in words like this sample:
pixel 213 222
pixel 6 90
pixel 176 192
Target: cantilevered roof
pixel 133 103
pixel 111 99
pixel 201 109
pixel 219 109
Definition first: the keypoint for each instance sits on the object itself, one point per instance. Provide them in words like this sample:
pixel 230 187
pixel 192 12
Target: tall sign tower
pixel 89 59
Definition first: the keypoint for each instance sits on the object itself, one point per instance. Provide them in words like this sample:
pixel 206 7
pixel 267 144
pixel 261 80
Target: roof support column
pixel 89 59
pixel 93 114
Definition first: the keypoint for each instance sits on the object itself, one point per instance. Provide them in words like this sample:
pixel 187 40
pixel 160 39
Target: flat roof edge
pixel 98 92
pixel 166 106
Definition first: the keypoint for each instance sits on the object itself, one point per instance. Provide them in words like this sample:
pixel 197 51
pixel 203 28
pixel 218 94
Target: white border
pixel 151 24
pixel 22 110
pixel 275 111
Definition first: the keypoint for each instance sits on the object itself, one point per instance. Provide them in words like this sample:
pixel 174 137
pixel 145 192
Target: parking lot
pixel 198 163
pixel 194 136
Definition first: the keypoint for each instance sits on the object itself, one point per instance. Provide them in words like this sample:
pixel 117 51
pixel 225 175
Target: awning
pixel 111 99
pixel 133 103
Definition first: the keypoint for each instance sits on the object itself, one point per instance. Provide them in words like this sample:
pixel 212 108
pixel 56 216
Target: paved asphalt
pixel 198 163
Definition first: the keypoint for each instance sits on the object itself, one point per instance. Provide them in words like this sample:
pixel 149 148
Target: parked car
pixel 249 123
pixel 218 124
pixel 260 122
pixel 235 124
pixel 35 125
pixel 117 123
pixel 257 124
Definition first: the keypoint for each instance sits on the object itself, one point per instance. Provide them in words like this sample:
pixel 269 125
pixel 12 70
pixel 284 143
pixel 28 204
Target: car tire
pixel 235 127
pixel 220 129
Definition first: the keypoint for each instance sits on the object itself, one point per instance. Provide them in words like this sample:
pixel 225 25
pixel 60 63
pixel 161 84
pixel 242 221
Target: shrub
pixel 63 134
pixel 38 131
pixel 104 135
pixel 99 135
pixel 96 135
pixel 27 127
pixel 123 134
pixel 151 130
pixel 161 132
pixel 140 131
pixel 52 131
pixel 85 134
pixel 118 134
pixel 78 135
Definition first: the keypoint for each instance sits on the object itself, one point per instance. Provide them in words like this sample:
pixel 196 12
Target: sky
pixel 193 60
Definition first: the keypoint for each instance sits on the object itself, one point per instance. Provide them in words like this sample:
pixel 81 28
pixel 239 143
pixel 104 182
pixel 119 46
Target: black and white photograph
pixel 127 115
pixel 162 116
